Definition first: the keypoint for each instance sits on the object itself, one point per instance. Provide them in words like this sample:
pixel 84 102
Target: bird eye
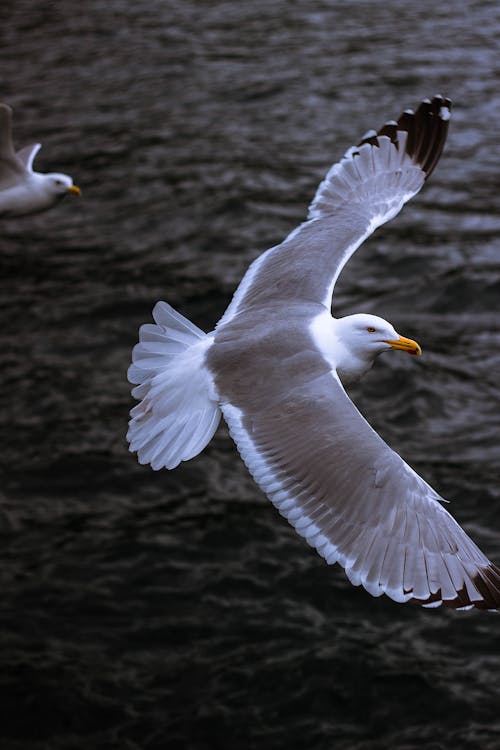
pixel 58 182
pixel 370 329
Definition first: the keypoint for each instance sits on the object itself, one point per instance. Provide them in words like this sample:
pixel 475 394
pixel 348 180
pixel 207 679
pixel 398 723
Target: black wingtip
pixel 487 583
pixel 427 129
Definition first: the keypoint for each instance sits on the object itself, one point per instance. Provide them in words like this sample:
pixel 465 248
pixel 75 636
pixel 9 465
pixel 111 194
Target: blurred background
pixel 178 610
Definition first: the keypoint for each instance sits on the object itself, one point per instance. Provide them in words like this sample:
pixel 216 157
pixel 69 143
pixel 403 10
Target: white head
pixel 59 184
pixel 363 337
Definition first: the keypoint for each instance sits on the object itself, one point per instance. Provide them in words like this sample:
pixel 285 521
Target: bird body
pixel 22 190
pixel 275 367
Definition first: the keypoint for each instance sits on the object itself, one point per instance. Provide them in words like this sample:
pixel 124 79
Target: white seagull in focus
pixel 275 367
pixel 23 191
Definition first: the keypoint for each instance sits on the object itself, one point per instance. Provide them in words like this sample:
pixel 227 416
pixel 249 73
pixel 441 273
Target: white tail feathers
pixel 179 412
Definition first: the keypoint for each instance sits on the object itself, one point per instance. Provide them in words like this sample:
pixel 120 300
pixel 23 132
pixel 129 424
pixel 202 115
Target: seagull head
pixel 369 335
pixel 60 184
pixel 363 337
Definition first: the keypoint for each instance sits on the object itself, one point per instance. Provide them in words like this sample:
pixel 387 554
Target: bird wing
pixel 11 167
pixel 368 187
pixel 332 476
pixel 27 154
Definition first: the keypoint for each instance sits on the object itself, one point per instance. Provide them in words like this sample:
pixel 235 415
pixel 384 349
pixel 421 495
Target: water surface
pixel 178 610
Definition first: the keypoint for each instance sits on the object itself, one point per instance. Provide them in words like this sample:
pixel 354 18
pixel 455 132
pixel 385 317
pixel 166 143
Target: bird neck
pixel 349 365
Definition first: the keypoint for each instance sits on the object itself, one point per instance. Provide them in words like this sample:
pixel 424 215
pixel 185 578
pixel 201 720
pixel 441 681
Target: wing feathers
pixel 415 140
pixel 26 155
pixel 391 535
pixel 368 187
pixel 11 167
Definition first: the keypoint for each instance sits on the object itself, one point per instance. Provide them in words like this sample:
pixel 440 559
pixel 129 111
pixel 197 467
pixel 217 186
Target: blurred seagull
pixel 23 191
pixel 275 367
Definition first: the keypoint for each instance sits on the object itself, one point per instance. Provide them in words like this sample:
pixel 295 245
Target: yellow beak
pixel 74 190
pixel 406 345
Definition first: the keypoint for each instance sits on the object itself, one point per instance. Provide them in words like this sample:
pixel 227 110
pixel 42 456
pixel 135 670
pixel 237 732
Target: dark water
pixel 147 610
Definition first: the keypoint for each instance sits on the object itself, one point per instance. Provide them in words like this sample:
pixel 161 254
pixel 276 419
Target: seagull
pixel 275 367
pixel 22 190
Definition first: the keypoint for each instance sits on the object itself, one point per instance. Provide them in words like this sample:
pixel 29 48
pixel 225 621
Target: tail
pixel 178 411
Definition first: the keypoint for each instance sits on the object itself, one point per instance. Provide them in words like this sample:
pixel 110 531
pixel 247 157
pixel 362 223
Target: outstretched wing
pixel 27 154
pixel 368 187
pixel 332 476
pixel 11 167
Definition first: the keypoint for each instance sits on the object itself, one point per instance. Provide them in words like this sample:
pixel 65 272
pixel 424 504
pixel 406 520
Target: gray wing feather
pixel 367 188
pixel 26 155
pixel 11 167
